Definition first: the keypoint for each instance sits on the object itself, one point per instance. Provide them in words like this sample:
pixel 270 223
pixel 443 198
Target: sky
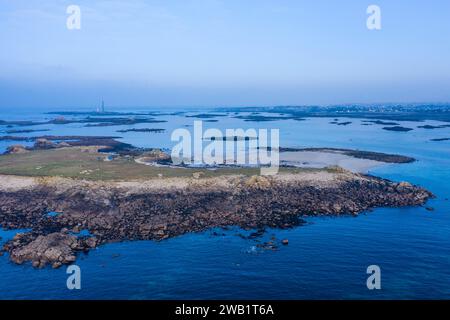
pixel 222 53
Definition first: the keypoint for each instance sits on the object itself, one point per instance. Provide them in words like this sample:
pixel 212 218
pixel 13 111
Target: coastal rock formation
pixel 16 149
pixel 56 248
pixel 157 209
pixel 44 144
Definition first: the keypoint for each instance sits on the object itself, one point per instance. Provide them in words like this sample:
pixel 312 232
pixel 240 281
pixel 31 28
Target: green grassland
pixel 79 163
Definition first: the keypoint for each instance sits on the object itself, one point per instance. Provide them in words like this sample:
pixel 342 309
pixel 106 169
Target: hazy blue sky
pixel 222 52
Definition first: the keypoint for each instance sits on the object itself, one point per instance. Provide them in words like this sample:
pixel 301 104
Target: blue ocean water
pixel 325 259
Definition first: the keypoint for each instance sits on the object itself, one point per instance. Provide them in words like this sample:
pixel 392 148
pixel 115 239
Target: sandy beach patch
pixel 319 159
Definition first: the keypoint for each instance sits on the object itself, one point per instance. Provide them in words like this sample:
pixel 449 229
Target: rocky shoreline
pixel 158 209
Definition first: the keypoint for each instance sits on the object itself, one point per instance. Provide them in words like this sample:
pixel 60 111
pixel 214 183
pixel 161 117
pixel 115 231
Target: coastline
pixel 158 209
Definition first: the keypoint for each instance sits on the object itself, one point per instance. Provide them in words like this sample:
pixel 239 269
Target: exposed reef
pixel 398 129
pixel 206 115
pixel 25 131
pixel 430 127
pixel 381 122
pixel 345 123
pixel 153 130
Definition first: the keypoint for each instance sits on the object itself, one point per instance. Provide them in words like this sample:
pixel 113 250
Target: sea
pixel 327 258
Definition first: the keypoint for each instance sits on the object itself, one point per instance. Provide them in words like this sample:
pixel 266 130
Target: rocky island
pixel 96 198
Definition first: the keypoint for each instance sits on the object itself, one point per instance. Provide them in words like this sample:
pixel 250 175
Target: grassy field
pixel 86 163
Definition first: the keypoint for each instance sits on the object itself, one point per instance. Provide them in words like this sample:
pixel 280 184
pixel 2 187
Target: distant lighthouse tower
pixel 103 106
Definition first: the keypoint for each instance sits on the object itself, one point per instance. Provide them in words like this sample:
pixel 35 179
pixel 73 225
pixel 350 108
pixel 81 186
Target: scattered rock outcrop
pixel 44 144
pixel 16 149
pixel 56 248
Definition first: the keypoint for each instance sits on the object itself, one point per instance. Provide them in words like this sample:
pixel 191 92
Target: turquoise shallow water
pixel 325 259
